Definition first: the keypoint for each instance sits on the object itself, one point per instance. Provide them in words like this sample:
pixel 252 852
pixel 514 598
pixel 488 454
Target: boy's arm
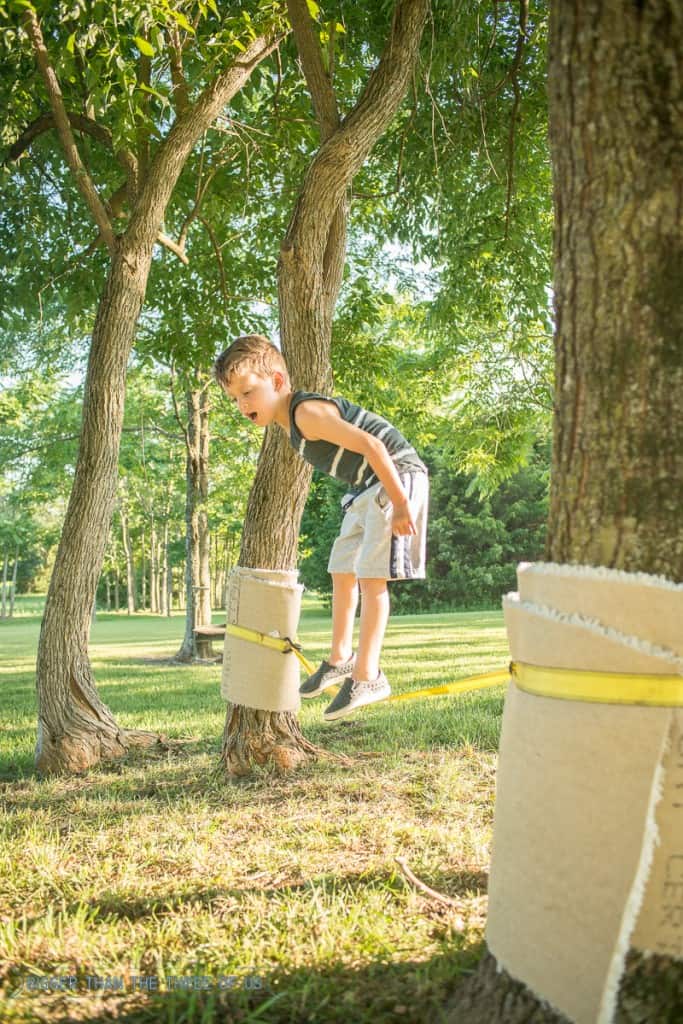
pixel 322 421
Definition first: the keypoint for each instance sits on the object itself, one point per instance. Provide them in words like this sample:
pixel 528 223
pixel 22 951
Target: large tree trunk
pixel 75 729
pixel 310 271
pixel 616 96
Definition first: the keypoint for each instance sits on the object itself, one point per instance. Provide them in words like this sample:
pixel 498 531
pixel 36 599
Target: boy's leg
pixel 374 615
pixel 344 602
pixel 367 683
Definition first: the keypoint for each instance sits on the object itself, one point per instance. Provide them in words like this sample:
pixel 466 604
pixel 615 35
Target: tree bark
pixel 130 567
pixel 310 271
pixel 5 569
pixel 13 583
pixel 616 96
pixel 75 729
pixel 153 567
pixel 197 568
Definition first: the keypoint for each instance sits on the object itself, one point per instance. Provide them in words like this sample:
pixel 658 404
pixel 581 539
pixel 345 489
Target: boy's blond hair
pixel 249 352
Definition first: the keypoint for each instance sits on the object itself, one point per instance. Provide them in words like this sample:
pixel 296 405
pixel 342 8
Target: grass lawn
pixel 272 899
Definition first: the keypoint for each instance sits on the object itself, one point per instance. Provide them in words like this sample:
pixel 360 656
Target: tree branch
pixel 176 147
pixel 521 39
pixel 181 95
pixel 46 122
pixel 317 79
pixel 343 153
pixel 142 132
pixel 83 181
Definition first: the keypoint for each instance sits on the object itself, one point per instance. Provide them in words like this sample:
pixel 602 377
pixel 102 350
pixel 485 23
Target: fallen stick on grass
pixel 432 893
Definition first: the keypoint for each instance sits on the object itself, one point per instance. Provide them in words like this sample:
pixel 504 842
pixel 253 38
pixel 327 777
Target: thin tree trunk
pixel 13 584
pixel 143 571
pixel 616 95
pixel 153 568
pixel 117 593
pixel 197 577
pixel 5 567
pixel 107 583
pixel 204 536
pixel 165 582
pixel 310 271
pixel 130 567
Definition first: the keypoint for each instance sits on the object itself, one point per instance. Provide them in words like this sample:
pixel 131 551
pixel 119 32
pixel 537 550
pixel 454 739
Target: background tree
pixel 616 94
pixel 75 728
pixel 310 273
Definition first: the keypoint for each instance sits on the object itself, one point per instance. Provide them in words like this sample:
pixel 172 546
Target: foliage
pixel 474 541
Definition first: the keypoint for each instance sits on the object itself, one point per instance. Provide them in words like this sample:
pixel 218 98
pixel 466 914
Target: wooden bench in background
pixel 204 637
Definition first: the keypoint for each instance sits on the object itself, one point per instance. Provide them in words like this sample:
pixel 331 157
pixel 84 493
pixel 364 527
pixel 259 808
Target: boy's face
pixel 256 397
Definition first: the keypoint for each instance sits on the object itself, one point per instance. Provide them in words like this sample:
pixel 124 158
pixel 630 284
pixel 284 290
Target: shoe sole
pixel 322 688
pixel 362 703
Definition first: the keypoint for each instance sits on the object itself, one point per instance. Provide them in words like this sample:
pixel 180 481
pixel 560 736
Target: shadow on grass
pixel 379 992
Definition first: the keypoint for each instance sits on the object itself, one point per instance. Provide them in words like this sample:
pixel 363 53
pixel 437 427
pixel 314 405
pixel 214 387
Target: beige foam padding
pixel 578 811
pixel 254 676
pixel 659 926
pixel 632 603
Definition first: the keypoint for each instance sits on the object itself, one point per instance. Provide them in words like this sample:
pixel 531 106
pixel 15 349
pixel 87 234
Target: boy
pixel 383 532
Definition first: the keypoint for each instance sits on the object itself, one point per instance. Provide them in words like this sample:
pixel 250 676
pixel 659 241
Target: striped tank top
pixel 339 462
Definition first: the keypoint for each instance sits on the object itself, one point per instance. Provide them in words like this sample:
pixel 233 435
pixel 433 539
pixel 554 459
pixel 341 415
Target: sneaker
pixel 326 675
pixel 355 694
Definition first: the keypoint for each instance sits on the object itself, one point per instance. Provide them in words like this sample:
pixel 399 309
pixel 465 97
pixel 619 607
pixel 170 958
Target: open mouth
pixel 252 416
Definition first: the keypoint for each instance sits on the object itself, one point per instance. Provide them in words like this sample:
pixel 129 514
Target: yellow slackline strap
pixel 275 643
pixel 599 687
pixel 559 683
pixel 480 682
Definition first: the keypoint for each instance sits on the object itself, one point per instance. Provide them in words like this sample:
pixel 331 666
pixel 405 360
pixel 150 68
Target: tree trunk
pixel 204 537
pixel 13 584
pixel 130 567
pixel 616 95
pixel 197 574
pixel 5 567
pixel 107 583
pixel 143 572
pixel 75 729
pixel 153 568
pixel 310 271
pixel 166 585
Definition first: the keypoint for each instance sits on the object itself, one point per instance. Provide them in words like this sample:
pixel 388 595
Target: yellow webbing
pixel 275 643
pixel 559 683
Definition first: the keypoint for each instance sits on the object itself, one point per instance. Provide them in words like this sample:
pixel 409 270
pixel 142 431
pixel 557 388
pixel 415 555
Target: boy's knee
pixel 372 586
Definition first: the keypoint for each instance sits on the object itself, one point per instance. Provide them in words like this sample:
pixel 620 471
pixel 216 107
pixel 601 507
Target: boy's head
pixel 254 374
pixel 250 352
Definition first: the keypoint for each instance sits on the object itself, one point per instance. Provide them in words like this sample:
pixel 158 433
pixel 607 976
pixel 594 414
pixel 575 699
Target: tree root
pixel 252 736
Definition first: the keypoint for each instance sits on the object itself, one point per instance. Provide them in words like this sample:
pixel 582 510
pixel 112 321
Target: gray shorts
pixel 367 548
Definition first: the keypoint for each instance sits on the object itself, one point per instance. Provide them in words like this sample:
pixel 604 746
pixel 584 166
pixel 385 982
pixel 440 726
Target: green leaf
pixel 145 48
pixel 70 42
pixel 313 9
pixel 212 5
pixel 152 92
pixel 339 27
pixel 239 45
pixel 182 20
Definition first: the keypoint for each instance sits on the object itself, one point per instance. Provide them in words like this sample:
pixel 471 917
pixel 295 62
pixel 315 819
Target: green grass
pixel 159 867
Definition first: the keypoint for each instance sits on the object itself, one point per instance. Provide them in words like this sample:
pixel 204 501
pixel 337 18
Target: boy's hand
pixel 402 522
